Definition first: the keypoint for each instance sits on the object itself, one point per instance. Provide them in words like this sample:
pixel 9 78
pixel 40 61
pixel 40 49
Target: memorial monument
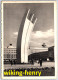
pixel 24 37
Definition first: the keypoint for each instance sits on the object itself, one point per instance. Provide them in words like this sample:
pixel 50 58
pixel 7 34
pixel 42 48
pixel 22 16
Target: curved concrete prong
pixel 35 21
pixel 24 37
pixel 28 13
pixel 32 17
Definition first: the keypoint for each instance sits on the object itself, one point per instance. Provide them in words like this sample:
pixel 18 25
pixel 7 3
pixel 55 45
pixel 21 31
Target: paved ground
pixel 17 66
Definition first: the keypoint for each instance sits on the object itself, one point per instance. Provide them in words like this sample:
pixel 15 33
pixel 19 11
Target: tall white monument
pixel 27 29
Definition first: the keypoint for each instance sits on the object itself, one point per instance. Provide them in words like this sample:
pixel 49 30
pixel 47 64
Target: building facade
pixel 10 54
pixel 51 53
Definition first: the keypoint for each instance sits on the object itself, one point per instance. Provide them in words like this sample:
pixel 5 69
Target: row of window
pixel 10 52
pixel 5 50
pixel 10 56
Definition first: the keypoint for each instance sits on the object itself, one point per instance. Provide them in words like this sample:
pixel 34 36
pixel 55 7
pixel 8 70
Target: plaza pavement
pixel 36 65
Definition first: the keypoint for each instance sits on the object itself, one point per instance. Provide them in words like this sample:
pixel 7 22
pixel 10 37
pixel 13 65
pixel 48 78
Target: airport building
pixel 51 53
pixel 10 53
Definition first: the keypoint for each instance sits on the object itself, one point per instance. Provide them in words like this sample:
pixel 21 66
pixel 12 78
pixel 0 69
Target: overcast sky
pixel 43 31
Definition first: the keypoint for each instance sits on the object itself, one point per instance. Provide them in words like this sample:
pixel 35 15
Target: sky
pixel 43 31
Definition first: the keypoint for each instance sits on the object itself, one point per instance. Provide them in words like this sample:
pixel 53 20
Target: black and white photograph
pixel 28 39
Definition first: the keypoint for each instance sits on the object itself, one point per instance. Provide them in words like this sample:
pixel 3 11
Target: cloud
pixel 40 37
pixel 40 34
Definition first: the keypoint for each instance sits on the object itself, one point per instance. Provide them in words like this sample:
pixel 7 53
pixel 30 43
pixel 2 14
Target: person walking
pixel 40 62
